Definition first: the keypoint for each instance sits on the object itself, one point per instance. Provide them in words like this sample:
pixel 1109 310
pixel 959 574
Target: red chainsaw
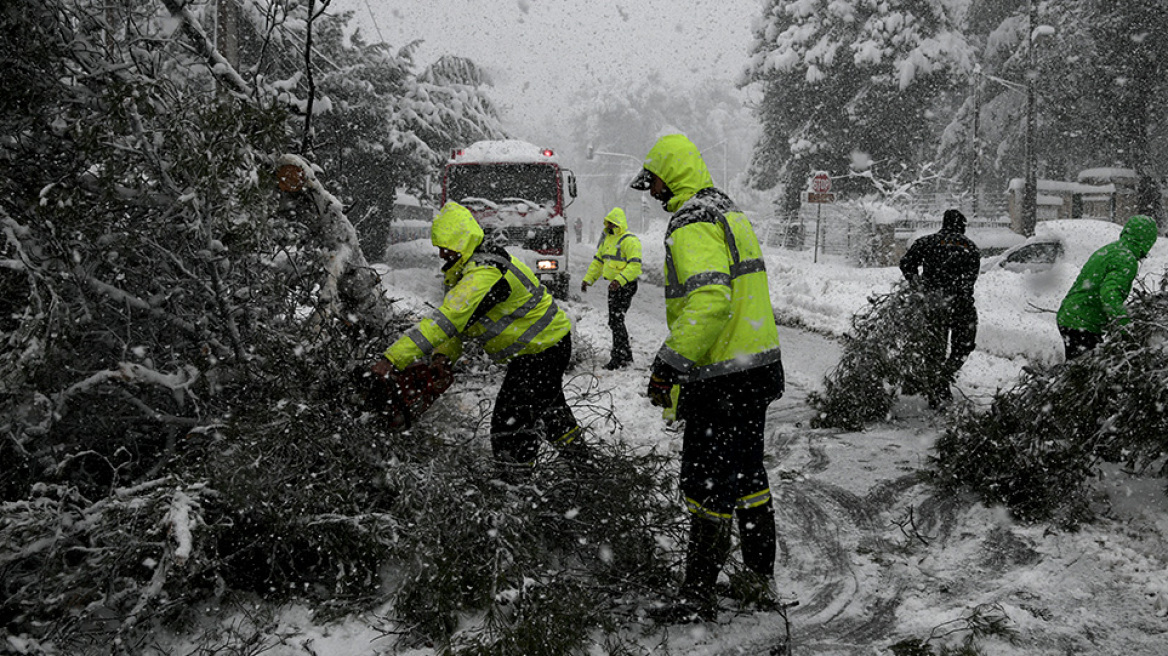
pixel 404 396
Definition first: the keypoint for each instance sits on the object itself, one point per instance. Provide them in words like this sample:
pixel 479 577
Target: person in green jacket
pixel 1097 296
pixel 496 299
pixel 723 350
pixel 617 259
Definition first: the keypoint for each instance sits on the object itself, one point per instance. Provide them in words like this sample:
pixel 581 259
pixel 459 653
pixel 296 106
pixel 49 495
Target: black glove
pixel 373 385
pixel 661 382
pixel 659 392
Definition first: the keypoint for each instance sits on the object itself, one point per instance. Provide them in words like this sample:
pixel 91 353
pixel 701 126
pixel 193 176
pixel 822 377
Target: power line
pixel 376 27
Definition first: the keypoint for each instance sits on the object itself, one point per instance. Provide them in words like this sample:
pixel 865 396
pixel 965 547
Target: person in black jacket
pixel 943 268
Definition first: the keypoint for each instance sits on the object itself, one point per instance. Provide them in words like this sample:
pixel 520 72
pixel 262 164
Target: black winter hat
pixel 953 221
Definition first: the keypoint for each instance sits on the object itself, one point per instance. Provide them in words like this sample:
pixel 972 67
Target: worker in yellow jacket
pixel 723 350
pixel 618 260
pixel 496 299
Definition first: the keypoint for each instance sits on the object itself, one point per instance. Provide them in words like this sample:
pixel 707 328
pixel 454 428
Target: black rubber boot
pixel 709 545
pixel 756 526
pixel 706 553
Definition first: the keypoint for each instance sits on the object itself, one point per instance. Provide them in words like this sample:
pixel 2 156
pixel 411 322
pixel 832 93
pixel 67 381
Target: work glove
pixel 613 286
pixel 661 382
pixel 443 372
pixel 583 286
pixel 659 391
pixel 372 384
pixel 382 368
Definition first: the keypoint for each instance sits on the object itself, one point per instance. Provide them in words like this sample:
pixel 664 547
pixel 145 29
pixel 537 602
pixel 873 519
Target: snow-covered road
pixel 870 551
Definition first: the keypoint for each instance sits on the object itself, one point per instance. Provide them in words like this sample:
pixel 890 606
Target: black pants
pixel 619 301
pixel 1077 342
pixel 531 405
pixel 722 453
pixel 952 326
pixel 722 470
pixel 955 320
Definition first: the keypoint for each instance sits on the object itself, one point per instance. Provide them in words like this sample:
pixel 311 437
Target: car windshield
pixel 1040 253
pixel 502 183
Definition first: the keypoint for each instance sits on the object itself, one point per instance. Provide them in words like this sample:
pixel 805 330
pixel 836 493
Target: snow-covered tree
pixel 1093 67
pixel 840 76
pixel 1132 73
pixel 182 302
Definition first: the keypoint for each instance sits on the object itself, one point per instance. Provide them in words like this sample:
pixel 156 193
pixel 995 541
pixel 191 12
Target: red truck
pixel 518 193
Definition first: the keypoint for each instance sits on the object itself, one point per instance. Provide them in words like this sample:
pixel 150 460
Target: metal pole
pixel 976 144
pixel 818 211
pixel 1030 188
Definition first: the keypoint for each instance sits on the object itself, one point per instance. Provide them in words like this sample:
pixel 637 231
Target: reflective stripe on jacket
pixel 521 319
pixel 618 256
pixel 717 298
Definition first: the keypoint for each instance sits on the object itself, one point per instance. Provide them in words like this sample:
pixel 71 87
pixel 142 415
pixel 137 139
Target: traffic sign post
pixel 820 193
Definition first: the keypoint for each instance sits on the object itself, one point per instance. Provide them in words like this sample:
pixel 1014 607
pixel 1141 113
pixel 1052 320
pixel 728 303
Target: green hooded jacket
pixel 717 298
pixel 618 256
pixel 1098 294
pixel 491 297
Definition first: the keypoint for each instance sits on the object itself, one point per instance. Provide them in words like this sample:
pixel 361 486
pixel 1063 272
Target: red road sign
pixel 821 182
pixel 813 197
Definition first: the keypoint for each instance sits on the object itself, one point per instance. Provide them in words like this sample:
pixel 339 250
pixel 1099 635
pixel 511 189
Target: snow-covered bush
pixel 539 565
pixel 181 304
pixel 1041 442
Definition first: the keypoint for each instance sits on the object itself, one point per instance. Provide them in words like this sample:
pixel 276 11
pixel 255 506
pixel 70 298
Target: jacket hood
pixel 677 161
pixel 617 217
pixel 1139 234
pixel 953 221
pixel 455 228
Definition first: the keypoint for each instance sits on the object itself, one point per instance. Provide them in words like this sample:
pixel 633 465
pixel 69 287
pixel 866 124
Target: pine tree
pixel 839 77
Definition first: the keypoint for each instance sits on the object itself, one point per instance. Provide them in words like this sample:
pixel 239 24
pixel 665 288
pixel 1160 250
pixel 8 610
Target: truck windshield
pixel 502 183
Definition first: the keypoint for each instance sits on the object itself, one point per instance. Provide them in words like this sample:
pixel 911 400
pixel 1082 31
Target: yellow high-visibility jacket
pixel 717 299
pixel 491 297
pixel 618 256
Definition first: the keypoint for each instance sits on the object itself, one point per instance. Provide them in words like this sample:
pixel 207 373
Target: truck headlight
pixel 547 265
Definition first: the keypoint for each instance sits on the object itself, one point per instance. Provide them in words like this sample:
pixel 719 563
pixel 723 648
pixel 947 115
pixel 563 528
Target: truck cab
pixel 518 193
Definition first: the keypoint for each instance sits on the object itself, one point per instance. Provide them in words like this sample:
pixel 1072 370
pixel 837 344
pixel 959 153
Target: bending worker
pixel 617 259
pixel 494 298
pixel 1096 299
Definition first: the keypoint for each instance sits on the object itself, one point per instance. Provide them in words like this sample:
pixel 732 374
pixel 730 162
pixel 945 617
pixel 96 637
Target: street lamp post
pixel 725 167
pixel 1030 188
pixel 1029 211
pixel 592 153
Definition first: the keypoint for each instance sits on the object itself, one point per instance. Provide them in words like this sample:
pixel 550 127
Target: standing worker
pixel 618 259
pixel 494 298
pixel 943 268
pixel 1098 294
pixel 723 350
pixel 579 230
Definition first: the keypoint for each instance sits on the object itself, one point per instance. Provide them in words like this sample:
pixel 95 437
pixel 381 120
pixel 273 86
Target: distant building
pixel 1107 194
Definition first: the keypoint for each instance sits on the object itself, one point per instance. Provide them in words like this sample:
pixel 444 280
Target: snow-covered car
pixel 1055 241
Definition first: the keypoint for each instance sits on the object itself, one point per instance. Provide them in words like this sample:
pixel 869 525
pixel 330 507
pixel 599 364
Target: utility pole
pixel 976 142
pixel 1030 188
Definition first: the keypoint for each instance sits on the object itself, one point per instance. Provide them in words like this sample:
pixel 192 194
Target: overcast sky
pixel 538 52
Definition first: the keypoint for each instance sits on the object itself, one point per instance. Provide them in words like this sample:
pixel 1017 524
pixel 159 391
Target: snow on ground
pixel 870 553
